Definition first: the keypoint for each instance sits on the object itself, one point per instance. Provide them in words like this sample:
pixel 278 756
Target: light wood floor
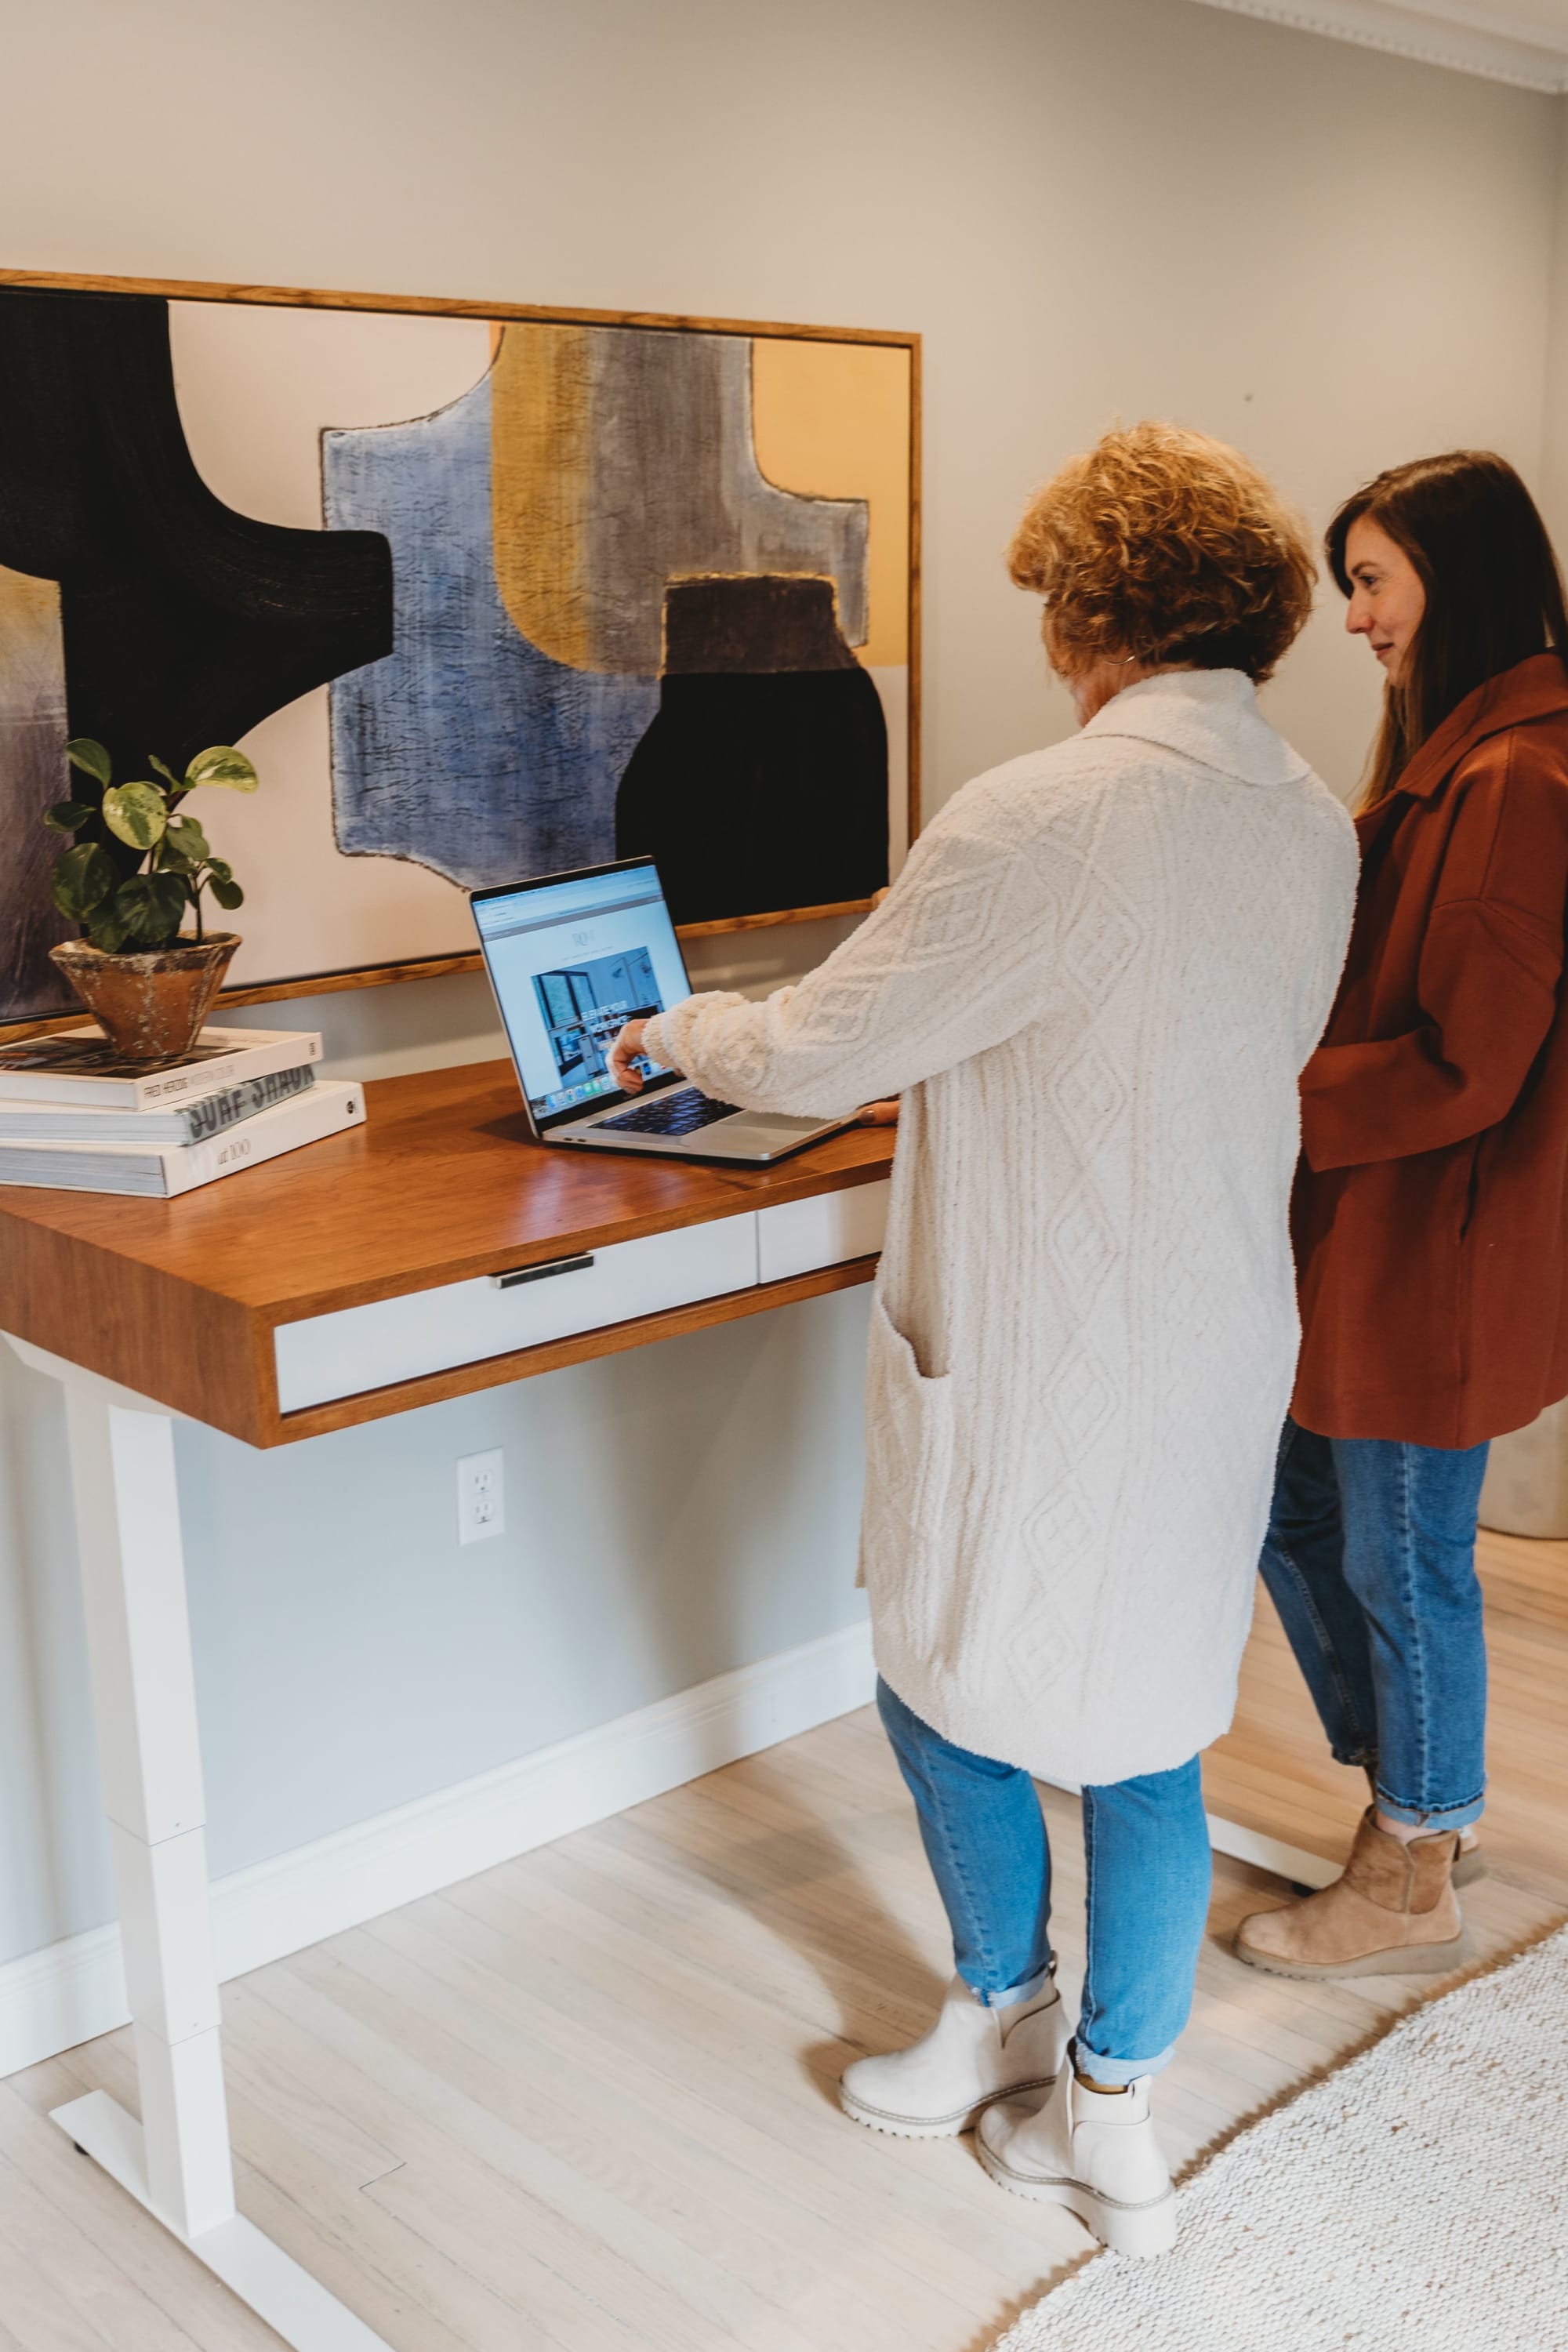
pixel 585 2101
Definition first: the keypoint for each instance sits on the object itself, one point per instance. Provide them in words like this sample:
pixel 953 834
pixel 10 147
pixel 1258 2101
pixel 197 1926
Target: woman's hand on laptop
pixel 623 1056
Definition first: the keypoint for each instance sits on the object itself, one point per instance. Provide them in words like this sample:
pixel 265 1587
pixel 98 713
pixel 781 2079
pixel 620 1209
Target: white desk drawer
pixel 797 1236
pixel 360 1347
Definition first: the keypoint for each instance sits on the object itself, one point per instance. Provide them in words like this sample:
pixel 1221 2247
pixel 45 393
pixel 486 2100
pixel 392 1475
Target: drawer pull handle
pixel 539 1273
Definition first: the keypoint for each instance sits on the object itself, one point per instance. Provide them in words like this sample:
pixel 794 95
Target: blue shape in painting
pixel 465 749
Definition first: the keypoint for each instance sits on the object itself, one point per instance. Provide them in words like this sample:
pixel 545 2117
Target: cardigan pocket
pixel 905 1556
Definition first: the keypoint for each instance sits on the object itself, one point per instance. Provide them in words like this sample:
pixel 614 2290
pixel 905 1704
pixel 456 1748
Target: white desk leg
pixel 128 1531
pixel 177 2161
pixel 1291 1862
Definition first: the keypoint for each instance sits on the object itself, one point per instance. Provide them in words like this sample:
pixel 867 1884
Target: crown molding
pixel 1430 36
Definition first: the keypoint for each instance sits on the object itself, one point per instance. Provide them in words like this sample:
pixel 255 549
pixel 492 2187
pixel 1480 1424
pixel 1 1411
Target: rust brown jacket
pixel 1431 1208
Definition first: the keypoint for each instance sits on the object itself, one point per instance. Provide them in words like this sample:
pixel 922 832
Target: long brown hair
pixel 1494 593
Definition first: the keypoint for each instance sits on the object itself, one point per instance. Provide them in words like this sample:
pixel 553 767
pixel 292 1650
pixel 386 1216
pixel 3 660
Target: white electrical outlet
pixel 481 1497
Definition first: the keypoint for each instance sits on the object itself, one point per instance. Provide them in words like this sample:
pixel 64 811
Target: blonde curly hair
pixel 1165 546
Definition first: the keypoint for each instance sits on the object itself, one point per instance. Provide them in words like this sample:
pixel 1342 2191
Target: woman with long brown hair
pixel 1431 1208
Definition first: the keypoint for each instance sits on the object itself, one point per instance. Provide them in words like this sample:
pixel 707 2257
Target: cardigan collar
pixel 1534 688
pixel 1211 715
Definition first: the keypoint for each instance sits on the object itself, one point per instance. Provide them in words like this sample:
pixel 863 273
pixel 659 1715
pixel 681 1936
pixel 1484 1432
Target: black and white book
pixel 82 1066
pixel 162 1170
pixel 194 1121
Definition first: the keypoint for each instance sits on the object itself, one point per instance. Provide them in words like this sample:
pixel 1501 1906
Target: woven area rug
pixel 1414 2200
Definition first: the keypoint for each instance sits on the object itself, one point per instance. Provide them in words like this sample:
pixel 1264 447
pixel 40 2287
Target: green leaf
pixel 136 814
pixel 82 879
pixel 186 836
pixel 220 868
pixel 228 894
pixel 166 772
pixel 222 764
pixel 90 757
pixel 106 933
pixel 68 816
pixel 151 907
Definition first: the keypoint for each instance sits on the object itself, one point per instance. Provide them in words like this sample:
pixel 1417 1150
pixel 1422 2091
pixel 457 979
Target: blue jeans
pixel 1371 1559
pixel 1147 1847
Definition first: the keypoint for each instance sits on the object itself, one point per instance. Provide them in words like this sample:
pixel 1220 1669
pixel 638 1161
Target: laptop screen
pixel 570 958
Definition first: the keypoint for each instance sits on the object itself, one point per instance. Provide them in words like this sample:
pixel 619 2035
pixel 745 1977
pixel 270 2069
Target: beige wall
pixel 1089 208
pixel 1555 429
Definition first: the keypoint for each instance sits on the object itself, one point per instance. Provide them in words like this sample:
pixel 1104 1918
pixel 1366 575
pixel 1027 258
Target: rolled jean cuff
pixel 1118 2070
pixel 1433 1819
pixel 1026 1991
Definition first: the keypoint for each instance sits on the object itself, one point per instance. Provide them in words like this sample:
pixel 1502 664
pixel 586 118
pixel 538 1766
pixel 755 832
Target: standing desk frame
pixel 355 1281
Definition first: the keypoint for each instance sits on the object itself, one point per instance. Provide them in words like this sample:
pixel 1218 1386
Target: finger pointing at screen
pixel 624 1057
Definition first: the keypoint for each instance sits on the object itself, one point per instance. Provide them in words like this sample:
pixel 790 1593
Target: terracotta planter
pixel 150 1006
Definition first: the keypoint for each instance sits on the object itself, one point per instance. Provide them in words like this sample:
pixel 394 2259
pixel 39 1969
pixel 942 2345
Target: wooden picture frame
pixel 498 317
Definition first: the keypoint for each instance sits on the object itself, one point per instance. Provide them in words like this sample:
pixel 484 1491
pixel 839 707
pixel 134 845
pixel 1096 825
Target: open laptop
pixel 572 958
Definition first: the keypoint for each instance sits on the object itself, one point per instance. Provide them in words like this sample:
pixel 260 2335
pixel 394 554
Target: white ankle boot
pixel 1093 2151
pixel 939 2086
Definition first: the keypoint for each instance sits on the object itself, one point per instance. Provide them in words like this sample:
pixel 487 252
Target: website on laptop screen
pixel 570 962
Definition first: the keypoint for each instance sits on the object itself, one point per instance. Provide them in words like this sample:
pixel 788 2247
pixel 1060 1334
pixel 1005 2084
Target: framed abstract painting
pixel 485 591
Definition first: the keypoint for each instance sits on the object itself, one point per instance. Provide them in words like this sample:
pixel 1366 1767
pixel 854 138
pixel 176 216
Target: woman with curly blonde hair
pixel 1093 986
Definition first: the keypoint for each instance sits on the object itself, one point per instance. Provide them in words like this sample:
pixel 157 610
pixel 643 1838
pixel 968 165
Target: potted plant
pixel 147 984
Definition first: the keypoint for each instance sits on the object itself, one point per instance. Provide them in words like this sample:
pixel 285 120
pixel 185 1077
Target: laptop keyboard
pixel 680 1112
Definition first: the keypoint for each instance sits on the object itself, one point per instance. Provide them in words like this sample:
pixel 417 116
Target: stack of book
pixel 76 1114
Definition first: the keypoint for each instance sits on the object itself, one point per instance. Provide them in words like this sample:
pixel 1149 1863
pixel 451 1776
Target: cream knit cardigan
pixel 1094 984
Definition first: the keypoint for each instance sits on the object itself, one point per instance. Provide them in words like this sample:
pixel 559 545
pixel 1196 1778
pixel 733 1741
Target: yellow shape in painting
pixel 539 486
pixel 832 420
pixel 31 661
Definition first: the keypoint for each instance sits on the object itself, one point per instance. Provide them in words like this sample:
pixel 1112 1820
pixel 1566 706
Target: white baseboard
pixel 73 1990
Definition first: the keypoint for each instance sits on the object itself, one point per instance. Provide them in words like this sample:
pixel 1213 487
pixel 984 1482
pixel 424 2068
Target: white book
pixel 164 1169
pixel 82 1066
pixel 194 1121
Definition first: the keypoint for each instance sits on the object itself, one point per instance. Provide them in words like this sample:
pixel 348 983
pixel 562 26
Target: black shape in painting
pixel 185 623
pixel 761 782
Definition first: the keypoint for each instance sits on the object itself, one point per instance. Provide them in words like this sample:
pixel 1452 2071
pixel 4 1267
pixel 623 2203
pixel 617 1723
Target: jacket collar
pixel 1211 715
pixel 1535 689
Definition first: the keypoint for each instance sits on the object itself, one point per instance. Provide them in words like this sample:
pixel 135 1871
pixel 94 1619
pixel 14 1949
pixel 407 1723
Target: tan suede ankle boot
pixel 1393 1913
pixel 1470 1863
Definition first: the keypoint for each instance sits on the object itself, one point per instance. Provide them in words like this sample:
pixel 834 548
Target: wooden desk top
pixel 178 1299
